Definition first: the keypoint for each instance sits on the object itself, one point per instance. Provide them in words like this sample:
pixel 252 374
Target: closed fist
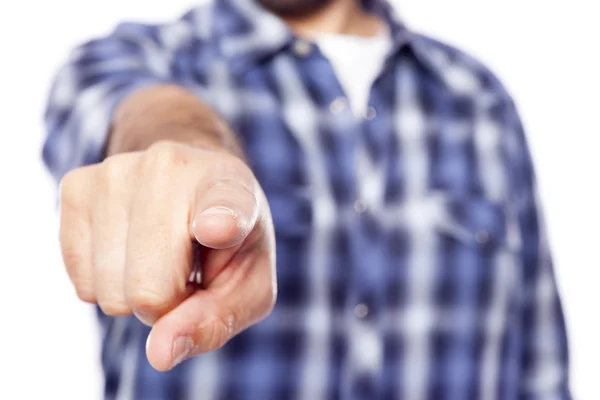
pixel 133 227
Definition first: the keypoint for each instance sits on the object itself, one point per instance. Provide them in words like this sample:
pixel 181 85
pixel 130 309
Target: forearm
pixel 168 112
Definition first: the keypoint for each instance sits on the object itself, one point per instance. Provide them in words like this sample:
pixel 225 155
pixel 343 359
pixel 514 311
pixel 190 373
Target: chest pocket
pixel 456 243
pixel 463 248
pixel 474 223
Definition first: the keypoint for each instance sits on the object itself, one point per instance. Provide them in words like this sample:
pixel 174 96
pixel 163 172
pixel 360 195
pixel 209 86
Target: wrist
pixel 168 113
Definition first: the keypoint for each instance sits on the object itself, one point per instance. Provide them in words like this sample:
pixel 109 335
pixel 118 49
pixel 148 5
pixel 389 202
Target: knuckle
pixel 112 175
pixel 72 257
pixel 235 164
pixel 216 332
pixel 234 176
pixel 271 299
pixel 146 301
pixel 265 296
pixel 85 292
pixel 69 187
pixel 162 156
pixel 267 299
pixel 74 262
pixel 114 308
pixel 234 167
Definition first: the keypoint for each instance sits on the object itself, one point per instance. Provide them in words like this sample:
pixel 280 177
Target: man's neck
pixel 340 16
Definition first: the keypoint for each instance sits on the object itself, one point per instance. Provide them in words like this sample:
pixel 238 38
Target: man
pixel 387 173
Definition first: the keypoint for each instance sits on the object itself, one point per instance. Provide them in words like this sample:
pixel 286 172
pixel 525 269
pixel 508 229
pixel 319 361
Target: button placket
pixel 360 206
pixel 370 113
pixel 361 310
pixel 302 48
pixel 338 105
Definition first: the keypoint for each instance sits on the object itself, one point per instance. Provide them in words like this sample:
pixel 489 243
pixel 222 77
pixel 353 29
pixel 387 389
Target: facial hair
pixel 293 8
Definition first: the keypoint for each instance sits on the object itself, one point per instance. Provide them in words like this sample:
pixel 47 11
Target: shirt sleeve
pixel 544 355
pixel 97 77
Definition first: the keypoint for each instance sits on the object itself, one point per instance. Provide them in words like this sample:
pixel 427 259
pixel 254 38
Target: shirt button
pixel 370 113
pixel 302 48
pixel 338 105
pixel 361 311
pixel 482 237
pixel 360 206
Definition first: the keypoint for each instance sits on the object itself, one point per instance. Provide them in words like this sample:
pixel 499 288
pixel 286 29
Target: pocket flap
pixel 475 221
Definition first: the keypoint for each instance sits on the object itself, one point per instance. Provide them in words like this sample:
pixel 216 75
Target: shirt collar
pixel 247 33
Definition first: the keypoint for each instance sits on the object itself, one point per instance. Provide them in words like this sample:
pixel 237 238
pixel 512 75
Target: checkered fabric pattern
pixel 412 259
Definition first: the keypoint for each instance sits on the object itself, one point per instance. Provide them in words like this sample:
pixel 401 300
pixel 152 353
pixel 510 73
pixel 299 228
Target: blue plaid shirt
pixel 412 260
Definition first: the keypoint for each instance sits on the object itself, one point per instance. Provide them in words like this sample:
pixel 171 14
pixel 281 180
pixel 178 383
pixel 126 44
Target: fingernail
pixel 148 341
pixel 218 210
pixel 145 317
pixel 182 347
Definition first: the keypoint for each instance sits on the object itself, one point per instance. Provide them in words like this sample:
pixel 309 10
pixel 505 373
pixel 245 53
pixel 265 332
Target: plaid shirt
pixel 412 260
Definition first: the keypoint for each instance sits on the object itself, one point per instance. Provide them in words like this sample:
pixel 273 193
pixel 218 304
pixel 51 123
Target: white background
pixel 547 53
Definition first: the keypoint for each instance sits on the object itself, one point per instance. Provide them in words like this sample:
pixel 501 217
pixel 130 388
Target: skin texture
pixel 128 225
pixel 174 179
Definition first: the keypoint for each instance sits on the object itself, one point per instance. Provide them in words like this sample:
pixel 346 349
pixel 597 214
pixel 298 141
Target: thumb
pixel 225 205
pixel 176 336
pixel 209 318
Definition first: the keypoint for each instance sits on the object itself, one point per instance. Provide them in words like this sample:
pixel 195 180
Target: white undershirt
pixel 356 61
